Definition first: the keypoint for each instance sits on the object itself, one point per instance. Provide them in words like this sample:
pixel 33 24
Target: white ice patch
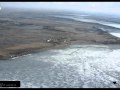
pixel 112 24
pixel 116 34
pixel 92 62
pixel 86 66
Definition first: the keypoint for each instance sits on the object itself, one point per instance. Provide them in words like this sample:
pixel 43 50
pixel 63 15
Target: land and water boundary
pixel 21 34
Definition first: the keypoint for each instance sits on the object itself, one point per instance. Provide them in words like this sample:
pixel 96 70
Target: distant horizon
pixel 112 8
pixel 54 10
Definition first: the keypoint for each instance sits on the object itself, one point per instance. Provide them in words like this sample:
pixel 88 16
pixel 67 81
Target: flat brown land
pixel 22 33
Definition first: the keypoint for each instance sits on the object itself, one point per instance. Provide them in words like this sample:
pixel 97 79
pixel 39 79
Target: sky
pixel 101 7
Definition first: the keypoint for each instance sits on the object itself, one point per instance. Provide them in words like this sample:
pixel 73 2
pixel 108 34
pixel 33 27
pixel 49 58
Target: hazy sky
pixel 103 7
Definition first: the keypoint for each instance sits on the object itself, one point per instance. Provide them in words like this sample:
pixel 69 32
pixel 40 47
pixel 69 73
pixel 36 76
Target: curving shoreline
pixel 25 35
pixel 17 50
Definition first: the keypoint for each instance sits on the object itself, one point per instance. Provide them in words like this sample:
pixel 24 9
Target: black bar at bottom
pixel 9 83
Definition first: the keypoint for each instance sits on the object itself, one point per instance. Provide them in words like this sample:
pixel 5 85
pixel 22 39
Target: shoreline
pixel 36 50
pixel 35 47
pixel 22 35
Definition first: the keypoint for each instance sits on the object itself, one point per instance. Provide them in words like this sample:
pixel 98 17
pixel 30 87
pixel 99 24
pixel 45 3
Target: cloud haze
pixel 103 7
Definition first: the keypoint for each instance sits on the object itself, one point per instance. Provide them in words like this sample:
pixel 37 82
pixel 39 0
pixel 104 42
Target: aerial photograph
pixel 60 44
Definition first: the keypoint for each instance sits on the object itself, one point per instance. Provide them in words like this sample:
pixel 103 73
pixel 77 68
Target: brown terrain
pixel 25 32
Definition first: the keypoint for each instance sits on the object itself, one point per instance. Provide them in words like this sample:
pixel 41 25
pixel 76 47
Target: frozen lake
pixel 84 66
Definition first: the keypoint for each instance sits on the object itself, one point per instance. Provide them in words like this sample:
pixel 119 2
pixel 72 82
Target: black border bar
pixel 9 83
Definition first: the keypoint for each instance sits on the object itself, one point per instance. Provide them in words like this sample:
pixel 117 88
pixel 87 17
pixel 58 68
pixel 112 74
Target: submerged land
pixel 23 32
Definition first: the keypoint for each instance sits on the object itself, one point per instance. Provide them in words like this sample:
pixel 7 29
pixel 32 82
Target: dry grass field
pixel 23 32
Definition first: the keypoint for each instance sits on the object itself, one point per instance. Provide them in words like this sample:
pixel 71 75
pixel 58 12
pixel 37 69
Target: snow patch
pixel 116 34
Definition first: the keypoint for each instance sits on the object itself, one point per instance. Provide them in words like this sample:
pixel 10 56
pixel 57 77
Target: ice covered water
pixel 85 66
pixel 115 34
